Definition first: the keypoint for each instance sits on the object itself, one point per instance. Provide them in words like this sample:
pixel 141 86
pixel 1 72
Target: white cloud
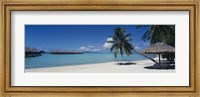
pixel 137 48
pixel 95 50
pixel 90 48
pixel 82 48
pixel 140 46
pixel 110 39
pixel 98 47
pixel 108 45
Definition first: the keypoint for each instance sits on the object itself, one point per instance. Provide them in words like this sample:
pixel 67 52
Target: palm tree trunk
pixel 147 57
pixel 159 59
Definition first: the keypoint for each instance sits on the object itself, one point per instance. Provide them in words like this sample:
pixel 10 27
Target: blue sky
pixel 78 37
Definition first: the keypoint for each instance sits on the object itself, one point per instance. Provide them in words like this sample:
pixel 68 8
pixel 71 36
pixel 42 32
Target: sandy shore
pixel 108 67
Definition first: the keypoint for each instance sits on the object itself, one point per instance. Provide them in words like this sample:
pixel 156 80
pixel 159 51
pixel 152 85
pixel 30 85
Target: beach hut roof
pixel 158 48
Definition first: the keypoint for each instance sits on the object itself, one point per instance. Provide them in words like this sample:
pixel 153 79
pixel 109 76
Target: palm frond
pixel 116 52
pixel 121 42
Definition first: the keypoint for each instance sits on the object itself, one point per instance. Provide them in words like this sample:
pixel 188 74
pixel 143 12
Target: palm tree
pixel 160 33
pixel 120 42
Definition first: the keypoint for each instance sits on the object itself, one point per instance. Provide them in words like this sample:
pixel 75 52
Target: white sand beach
pixel 108 67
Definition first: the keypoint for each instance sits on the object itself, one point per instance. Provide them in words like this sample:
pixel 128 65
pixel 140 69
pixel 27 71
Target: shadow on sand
pixel 126 63
pixel 161 66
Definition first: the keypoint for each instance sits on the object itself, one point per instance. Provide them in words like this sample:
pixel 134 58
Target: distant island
pixel 34 52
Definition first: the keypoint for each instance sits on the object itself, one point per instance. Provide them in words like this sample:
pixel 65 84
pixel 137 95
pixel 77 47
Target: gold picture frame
pixel 123 5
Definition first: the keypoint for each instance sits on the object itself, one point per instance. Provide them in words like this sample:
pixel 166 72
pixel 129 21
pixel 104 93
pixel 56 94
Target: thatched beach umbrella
pixel 159 48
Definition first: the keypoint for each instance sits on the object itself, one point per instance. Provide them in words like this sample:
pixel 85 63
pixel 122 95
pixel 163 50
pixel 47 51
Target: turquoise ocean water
pixel 50 60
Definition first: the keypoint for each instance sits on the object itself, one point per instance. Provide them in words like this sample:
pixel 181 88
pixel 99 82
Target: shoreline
pixel 86 64
pixel 106 67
